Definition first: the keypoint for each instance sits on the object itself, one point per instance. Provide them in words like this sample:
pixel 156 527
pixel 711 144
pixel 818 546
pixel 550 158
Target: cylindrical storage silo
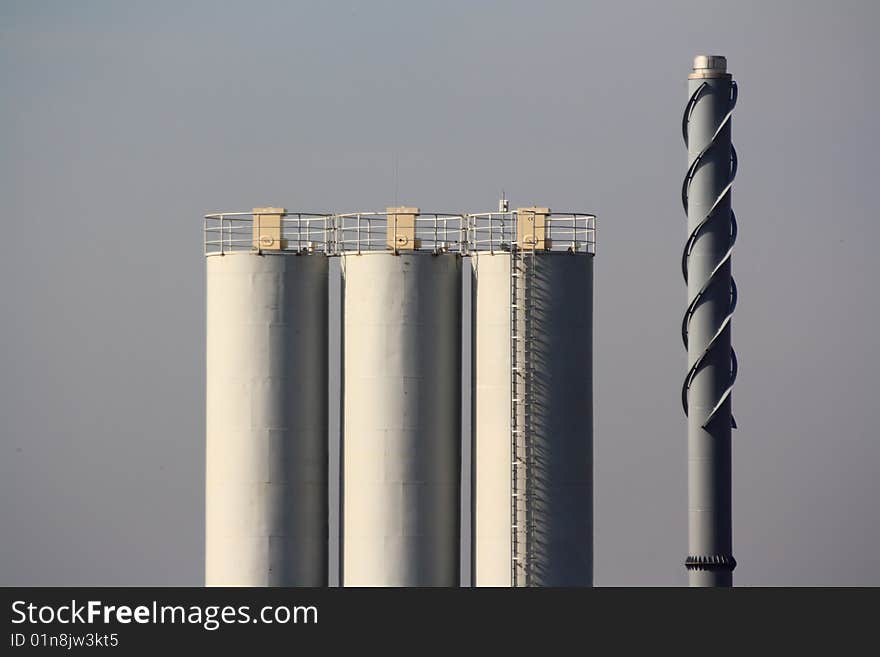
pixel 267 444
pixel 533 415
pixel 401 418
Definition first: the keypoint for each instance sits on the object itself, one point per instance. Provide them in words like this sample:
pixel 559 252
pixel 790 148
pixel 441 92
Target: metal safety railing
pixel 436 232
pixel 359 232
pixel 573 232
pixel 296 232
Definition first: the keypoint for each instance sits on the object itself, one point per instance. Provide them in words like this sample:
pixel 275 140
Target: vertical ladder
pixel 515 390
pixel 522 265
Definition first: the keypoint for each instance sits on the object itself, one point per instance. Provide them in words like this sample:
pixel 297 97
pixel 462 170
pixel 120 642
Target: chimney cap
pixel 713 62
pixel 709 66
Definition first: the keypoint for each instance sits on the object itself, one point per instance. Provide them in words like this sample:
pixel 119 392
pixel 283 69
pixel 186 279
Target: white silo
pixel 401 437
pixel 266 406
pixel 532 398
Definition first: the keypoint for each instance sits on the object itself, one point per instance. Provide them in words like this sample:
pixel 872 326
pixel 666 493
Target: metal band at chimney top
pixel 706 325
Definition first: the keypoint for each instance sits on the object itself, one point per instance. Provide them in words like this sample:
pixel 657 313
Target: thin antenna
pixel 396 177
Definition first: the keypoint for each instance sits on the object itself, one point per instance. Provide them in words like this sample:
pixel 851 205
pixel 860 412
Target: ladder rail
pixel 522 292
pixel 514 417
pixel 529 261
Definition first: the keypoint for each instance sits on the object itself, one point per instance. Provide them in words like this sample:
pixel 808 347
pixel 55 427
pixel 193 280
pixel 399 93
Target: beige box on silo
pixel 402 228
pixel 268 229
pixel 531 228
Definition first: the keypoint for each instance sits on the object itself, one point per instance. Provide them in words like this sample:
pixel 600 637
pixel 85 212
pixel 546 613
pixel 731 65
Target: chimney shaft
pixel 706 326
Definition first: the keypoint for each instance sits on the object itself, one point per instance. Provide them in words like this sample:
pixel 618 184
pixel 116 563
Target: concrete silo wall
pixel 401 419
pixel 557 525
pixel 267 443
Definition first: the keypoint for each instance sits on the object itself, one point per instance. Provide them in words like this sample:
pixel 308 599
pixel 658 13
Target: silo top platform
pixel 397 230
pixel 533 229
pixel 268 229
pixel 400 229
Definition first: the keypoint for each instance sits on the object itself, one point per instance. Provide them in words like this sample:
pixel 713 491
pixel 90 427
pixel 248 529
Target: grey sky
pixel 124 122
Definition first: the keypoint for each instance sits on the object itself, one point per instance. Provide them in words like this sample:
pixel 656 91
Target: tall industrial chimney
pixel 706 326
